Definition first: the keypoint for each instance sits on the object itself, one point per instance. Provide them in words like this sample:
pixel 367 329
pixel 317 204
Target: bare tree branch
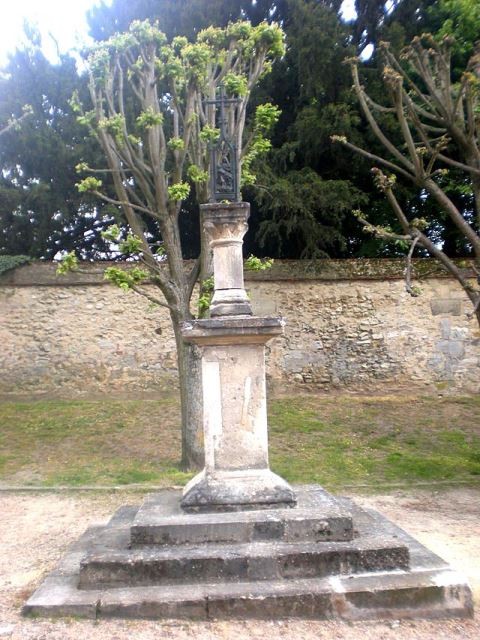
pixel 434 117
pixel 125 203
pixel 373 156
pixel 153 299
pixel 408 270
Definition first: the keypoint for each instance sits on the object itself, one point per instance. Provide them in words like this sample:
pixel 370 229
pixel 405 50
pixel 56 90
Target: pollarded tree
pixel 154 117
pixel 439 123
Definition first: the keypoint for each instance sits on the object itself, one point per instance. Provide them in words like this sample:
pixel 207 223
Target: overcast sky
pixel 64 19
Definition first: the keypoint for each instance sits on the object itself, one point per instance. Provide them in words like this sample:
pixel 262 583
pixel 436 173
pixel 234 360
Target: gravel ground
pixel 36 529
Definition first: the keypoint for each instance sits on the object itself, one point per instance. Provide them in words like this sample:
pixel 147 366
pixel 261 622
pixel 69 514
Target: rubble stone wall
pixel 350 329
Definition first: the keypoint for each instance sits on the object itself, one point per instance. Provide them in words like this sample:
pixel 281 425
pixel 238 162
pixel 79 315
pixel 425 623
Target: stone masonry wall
pixel 347 329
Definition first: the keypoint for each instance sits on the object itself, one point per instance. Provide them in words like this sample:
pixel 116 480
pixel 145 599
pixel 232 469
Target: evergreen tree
pixel 41 211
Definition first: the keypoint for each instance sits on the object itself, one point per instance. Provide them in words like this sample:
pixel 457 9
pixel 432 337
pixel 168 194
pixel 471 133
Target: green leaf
pixel 89 184
pixel 132 245
pixel 149 118
pixel 67 263
pixel 209 134
pixel 252 263
pixel 235 84
pixel 176 144
pixel 126 279
pixel 81 167
pixel 266 116
pixel 178 191
pixel 114 125
pixel 196 174
pixel 112 233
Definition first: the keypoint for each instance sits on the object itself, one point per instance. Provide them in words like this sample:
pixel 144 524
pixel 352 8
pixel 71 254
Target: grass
pixel 334 441
pixel 338 441
pixel 90 443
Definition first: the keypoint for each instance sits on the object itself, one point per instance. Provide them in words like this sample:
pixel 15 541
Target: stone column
pixel 236 473
pixel 225 225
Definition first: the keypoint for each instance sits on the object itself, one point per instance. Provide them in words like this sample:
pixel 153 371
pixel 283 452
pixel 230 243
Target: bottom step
pixel 429 594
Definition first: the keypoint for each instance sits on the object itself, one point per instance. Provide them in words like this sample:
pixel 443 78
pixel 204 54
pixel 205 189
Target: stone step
pixel 239 562
pixel 432 593
pixel 317 517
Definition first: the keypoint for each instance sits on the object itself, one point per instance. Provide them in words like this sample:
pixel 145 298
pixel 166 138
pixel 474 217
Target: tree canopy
pixel 41 211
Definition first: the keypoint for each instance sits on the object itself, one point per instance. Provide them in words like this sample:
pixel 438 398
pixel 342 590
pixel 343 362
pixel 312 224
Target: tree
pixel 459 19
pixel 15 121
pixel 375 17
pixel 311 87
pixel 41 211
pixel 440 129
pixel 184 18
pixel 154 119
pixel 305 191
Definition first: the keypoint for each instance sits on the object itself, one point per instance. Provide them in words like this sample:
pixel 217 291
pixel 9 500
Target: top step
pixel 317 517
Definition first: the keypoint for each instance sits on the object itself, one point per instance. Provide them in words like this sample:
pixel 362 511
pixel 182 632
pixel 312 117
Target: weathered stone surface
pixel 317 517
pixel 224 490
pixel 44 273
pixel 450 306
pixel 225 224
pixel 223 331
pixel 244 562
pixel 59 596
pixel 427 589
pixel 236 473
pixel 421 594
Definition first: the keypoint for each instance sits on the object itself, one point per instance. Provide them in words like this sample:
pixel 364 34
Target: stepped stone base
pixel 325 558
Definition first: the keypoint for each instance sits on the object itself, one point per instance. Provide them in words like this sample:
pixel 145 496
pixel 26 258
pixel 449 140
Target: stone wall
pixel 350 326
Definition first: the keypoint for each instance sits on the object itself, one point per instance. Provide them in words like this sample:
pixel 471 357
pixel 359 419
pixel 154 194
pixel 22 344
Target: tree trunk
pixel 206 254
pixel 477 315
pixel 191 401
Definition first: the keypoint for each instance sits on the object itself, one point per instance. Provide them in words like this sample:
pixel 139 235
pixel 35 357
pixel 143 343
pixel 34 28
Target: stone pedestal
pixel 236 474
pixel 307 562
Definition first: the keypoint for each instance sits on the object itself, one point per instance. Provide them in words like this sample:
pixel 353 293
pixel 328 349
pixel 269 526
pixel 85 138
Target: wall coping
pixel 43 273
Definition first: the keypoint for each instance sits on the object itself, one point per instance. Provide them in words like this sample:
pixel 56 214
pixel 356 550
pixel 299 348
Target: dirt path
pixel 36 529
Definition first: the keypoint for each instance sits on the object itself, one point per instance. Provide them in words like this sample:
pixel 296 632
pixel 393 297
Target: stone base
pixel 237 490
pixel 230 302
pixel 260 564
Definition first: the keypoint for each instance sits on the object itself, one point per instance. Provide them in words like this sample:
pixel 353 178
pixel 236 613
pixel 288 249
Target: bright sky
pixel 64 19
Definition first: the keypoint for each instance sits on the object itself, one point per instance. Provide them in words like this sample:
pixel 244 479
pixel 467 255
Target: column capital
pixel 225 222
